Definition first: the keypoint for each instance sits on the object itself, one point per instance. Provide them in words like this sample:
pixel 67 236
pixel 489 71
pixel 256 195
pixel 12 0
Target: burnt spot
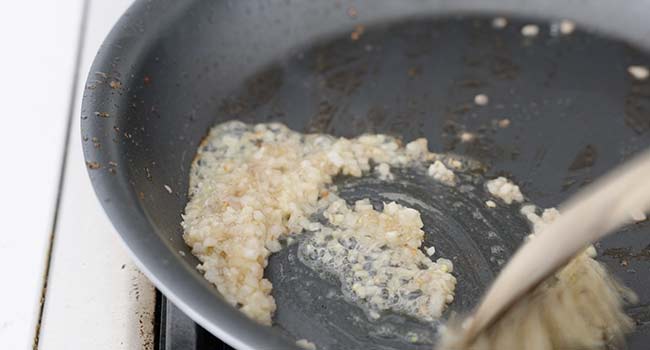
pixel 261 88
pixel 637 107
pixel 625 254
pixel 470 83
pixel 346 81
pixel 503 67
pixel 327 58
pixel 586 158
pixel 258 91
pixel 93 165
pixel 323 118
pixel 579 168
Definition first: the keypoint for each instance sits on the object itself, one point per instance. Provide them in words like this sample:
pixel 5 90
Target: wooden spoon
pixel 609 203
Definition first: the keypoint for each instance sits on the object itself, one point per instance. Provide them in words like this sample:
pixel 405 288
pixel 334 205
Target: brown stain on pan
pixel 625 254
pixel 259 90
pixel 323 118
pixel 586 158
pixel 637 107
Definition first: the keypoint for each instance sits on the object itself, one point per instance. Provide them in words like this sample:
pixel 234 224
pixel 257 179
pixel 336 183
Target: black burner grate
pixel 176 331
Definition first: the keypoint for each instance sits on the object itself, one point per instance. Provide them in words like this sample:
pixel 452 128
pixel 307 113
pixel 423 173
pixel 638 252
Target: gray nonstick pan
pixel 169 70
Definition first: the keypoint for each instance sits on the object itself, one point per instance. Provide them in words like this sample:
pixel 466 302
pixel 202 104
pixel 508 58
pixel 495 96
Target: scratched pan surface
pixel 157 86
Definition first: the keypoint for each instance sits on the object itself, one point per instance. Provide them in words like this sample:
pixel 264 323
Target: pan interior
pixel 573 113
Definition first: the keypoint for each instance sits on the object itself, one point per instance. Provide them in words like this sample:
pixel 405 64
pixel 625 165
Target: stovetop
pixel 175 331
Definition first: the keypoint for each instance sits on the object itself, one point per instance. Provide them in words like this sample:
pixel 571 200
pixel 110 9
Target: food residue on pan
pixel 430 251
pixel 352 12
pixel 638 72
pixel 481 100
pixel 441 173
pixel 357 32
pixel 93 165
pixel 499 22
pixel 505 190
pixel 567 27
pixel 530 30
pixel 529 211
pixel 251 185
pixel 503 123
pixel 306 344
pixel 466 136
pixel 563 27
pixel 383 171
pixel 376 256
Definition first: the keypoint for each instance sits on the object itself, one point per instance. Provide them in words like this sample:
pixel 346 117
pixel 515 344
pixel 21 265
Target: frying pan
pixel 171 69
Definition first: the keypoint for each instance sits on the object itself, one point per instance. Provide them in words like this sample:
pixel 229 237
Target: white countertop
pixel 95 297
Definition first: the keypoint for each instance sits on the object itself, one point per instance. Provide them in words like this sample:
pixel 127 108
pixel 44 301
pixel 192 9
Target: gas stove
pixel 175 331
